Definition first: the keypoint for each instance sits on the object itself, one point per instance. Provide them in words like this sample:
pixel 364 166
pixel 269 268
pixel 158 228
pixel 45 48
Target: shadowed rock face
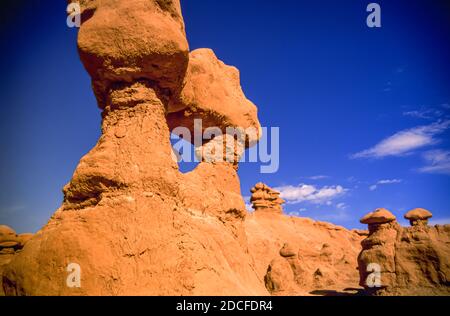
pixel 413 260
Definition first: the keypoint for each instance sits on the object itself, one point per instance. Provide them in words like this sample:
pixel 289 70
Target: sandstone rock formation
pixel 212 92
pixel 285 275
pixel 135 225
pixel 10 245
pixel 316 258
pixel 411 261
pixel 125 41
pixel 265 198
pixel 418 216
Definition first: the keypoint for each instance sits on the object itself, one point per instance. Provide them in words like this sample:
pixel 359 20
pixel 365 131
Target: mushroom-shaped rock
pixel 212 93
pixel 264 198
pixel 122 41
pixel 418 216
pixel 7 234
pixel 379 216
pixel 8 237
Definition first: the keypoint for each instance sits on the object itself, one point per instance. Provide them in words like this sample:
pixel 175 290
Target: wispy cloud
pixel 406 141
pixel 438 161
pixel 430 112
pixel 297 213
pixel 311 193
pixel 384 182
pixel 319 177
pixel 341 206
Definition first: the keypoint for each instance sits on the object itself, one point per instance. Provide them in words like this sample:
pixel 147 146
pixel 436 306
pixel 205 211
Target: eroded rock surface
pixel 125 41
pixel 133 223
pixel 411 260
pixel 11 244
pixel 266 199
pixel 299 256
pixel 136 225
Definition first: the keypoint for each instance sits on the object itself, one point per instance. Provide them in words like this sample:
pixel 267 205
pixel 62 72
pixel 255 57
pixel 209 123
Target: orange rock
pixel 136 225
pixel 412 261
pixel 124 41
pixel 418 216
pixel 267 199
pixel 379 216
pixel 212 92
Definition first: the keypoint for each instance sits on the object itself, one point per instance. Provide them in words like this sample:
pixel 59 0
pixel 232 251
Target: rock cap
pixel 379 216
pixel 418 214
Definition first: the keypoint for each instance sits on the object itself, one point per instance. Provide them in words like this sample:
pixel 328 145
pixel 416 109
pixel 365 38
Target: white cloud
pixel 429 112
pixel 319 177
pixel 426 113
pixel 310 193
pixel 404 142
pixel 341 206
pixel 438 162
pixel 248 205
pixel 384 182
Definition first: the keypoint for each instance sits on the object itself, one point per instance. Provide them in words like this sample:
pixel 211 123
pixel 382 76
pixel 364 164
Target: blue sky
pixel 363 113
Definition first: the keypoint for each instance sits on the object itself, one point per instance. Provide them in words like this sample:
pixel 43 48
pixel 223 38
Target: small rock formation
pixel 418 217
pixel 10 245
pixel 285 275
pixel 266 199
pixel 379 247
pixel 10 242
pixel 411 261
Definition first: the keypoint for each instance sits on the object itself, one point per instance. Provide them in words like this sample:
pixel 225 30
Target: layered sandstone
pixel 264 198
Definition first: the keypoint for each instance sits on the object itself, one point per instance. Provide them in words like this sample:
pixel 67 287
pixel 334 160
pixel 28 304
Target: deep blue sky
pixel 334 87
